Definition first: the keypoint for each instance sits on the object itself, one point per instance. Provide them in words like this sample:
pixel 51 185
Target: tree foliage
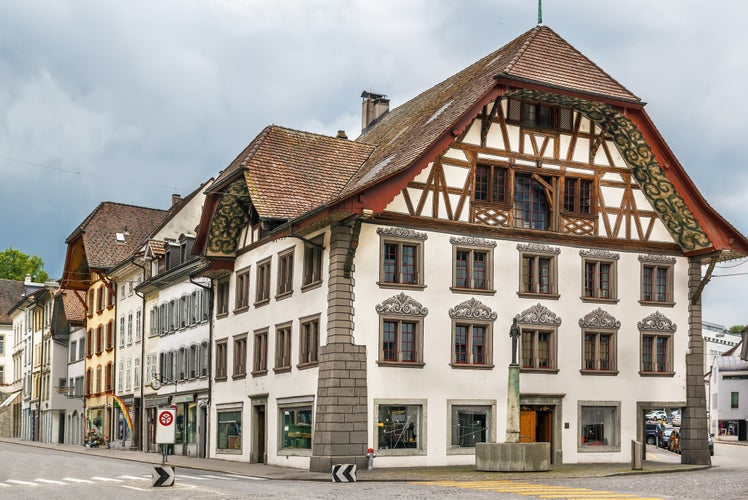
pixel 736 329
pixel 15 265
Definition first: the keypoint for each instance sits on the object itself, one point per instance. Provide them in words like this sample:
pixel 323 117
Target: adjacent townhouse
pixel 365 291
pixel 10 387
pixel 110 234
pixel 728 387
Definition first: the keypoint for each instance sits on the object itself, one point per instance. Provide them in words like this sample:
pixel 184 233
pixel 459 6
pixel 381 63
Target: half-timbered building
pixel 365 289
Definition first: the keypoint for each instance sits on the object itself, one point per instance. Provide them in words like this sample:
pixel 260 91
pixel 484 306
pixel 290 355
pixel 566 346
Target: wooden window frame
pixel 480 246
pixel 313 254
pixel 221 360
pixel 240 356
pixel 400 239
pixel 529 223
pixel 577 208
pixel 309 335
pixel 470 362
pixel 652 367
pixel 263 274
pixel 592 279
pixel 652 265
pixel 260 352
pixel 534 365
pixel 283 337
pixel 242 290
pixel 285 274
pixel 222 297
pixel 110 335
pixel 417 323
pixel 109 377
pixel 612 351
pixel 99 339
pixel 529 275
pixel 492 194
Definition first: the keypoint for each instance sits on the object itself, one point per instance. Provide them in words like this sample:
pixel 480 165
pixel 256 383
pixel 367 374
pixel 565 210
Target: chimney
pixel 341 135
pixel 373 107
pixel 175 199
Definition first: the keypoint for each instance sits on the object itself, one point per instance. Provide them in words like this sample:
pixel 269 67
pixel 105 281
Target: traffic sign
pixel 163 475
pixel 165 426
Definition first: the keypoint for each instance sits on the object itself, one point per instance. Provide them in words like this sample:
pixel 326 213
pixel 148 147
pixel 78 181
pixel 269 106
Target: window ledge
pixel 306 366
pixel 311 286
pixel 401 364
pixel 400 452
pixel 259 373
pixel 475 291
pixel 239 376
pixel 241 309
pixel 539 370
pixel 547 296
pixel 290 452
pixel 656 374
pixel 284 295
pixel 600 300
pixel 462 366
pixel 656 304
pixel 220 379
pixel 456 450
pixel 405 286
pixel 222 315
pixel 599 372
pixel 598 449
pixel 262 302
pixel 282 369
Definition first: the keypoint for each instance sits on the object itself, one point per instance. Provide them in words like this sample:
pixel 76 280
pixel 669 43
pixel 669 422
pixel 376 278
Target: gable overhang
pixel 76 274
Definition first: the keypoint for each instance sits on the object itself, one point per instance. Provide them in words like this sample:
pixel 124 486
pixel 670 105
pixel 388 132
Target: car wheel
pixel 650 440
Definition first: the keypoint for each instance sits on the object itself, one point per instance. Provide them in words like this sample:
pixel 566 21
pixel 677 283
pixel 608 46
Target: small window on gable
pixel 578 196
pixel 540 116
pixel 491 184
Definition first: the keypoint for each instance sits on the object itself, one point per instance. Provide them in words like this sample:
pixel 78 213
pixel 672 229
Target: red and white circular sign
pixel 165 418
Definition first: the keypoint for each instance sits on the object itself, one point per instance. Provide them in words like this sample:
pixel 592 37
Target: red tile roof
pixel 74 309
pixel 100 229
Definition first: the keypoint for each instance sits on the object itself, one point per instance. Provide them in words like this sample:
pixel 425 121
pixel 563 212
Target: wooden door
pixel 527 424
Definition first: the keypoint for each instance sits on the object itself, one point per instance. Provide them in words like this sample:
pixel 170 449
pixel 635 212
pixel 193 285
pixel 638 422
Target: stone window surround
pixel 405 452
pixel 491 424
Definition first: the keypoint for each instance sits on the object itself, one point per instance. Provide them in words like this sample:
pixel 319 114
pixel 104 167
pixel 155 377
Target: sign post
pixel 165 434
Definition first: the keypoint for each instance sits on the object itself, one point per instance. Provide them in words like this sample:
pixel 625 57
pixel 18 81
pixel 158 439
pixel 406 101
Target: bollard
pixel 370 455
pixel 636 455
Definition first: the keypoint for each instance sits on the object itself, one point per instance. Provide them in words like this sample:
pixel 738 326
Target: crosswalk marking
pixel 50 481
pixel 18 481
pixel 536 490
pixel 106 479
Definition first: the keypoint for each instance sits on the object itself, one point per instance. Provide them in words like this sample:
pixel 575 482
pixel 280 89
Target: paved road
pixel 31 473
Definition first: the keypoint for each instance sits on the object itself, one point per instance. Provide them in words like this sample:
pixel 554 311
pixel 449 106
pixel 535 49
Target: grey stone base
pixel 513 457
pixel 324 464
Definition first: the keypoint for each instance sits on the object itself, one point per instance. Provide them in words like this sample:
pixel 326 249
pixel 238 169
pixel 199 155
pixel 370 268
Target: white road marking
pixel 192 477
pixel 5 485
pixel 24 483
pixel 217 477
pixel 249 478
pixel 135 477
pixel 134 488
pixel 107 479
pixel 76 480
pixel 50 481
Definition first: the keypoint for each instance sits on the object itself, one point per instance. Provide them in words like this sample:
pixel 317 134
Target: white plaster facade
pixel 728 408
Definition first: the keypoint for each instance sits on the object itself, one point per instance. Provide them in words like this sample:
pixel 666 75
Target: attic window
pixel 120 237
pixel 539 116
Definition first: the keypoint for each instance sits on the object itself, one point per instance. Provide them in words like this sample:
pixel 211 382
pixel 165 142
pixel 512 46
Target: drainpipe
pixel 210 357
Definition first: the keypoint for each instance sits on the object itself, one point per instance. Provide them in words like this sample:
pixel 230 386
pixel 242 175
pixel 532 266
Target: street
pixel 31 472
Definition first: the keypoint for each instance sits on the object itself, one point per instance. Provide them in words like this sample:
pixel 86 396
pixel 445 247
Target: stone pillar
pixel 340 434
pixel 694 423
pixel 512 405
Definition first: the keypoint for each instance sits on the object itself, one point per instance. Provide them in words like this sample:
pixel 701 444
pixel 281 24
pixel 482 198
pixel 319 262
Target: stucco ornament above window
pixel 402 305
pixel 656 186
pixel 657 322
pixel 657 259
pixel 599 254
pixel 538 248
pixel 472 241
pixel 473 309
pixel 599 319
pixel 538 315
pixel 401 232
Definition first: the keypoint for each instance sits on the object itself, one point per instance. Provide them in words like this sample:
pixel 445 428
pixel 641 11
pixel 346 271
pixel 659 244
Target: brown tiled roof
pixel 539 56
pixel 158 247
pixel 289 172
pixel 74 309
pixel 10 294
pixel 99 232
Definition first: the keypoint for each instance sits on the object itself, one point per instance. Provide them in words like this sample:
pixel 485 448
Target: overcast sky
pixel 133 101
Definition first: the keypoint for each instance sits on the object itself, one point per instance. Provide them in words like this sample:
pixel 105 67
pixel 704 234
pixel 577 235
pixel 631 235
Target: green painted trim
pixel 229 220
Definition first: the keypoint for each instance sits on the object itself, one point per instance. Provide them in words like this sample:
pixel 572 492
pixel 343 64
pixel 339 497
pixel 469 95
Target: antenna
pixel 540 12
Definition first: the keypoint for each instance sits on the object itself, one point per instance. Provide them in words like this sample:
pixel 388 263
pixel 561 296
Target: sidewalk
pixel 442 473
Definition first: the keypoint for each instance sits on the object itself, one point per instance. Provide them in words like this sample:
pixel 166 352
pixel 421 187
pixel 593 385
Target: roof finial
pixel 540 12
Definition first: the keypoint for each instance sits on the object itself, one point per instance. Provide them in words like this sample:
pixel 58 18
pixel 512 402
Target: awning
pixel 10 399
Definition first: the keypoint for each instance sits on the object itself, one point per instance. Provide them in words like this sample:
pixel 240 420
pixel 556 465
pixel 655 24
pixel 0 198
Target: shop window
pixel 469 425
pixel 399 426
pixel 295 427
pixel 229 438
pixel 599 426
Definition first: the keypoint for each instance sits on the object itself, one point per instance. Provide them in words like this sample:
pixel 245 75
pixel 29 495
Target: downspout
pixel 139 444
pixel 210 357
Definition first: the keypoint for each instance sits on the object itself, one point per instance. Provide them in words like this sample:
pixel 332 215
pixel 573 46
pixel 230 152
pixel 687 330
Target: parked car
pixel 653 433
pixel 665 440
pixel 655 415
